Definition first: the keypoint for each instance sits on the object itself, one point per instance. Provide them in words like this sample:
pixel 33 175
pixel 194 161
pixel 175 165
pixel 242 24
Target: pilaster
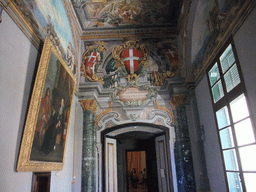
pixel 89 146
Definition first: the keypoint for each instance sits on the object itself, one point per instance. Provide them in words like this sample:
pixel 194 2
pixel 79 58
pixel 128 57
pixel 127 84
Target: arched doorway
pixel 149 140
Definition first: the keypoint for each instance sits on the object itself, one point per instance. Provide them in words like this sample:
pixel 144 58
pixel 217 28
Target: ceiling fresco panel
pixel 97 14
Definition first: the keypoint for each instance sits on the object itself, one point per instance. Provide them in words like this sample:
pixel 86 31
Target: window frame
pixel 226 100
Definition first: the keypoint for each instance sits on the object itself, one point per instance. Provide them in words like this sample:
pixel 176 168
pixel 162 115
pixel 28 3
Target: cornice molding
pixel 95 90
pixel 14 12
pixel 129 33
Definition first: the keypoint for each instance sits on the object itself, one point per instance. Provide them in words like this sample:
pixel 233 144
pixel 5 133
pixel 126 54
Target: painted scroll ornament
pixel 133 95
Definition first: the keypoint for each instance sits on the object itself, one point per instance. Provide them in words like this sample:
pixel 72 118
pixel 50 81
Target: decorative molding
pixel 1 11
pixel 166 110
pixel 159 78
pixel 103 113
pixel 113 116
pixel 129 33
pixel 89 104
pixel 178 100
pixel 110 116
pixel 133 113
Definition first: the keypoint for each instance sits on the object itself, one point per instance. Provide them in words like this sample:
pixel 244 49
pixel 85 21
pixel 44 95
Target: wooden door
pixel 111 165
pixel 162 164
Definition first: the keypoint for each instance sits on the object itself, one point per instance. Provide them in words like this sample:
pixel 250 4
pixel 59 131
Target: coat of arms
pixel 91 60
pixel 131 57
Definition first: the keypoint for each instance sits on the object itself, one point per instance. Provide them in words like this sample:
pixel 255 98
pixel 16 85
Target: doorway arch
pixel 166 176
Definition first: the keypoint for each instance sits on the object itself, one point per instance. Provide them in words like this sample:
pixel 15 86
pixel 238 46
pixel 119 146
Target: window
pixel 235 126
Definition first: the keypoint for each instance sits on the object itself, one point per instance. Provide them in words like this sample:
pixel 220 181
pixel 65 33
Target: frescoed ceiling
pixel 98 14
pixel 180 34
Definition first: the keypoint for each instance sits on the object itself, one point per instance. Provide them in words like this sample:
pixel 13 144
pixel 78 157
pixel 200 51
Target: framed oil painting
pixel 45 133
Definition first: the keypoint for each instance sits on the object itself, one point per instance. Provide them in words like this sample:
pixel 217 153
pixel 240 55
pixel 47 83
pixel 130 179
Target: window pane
pixel 227 59
pixel 226 138
pixel 244 132
pixel 248 158
pixel 230 160
pixel 214 74
pixel 217 92
pixel 239 109
pixel 234 182
pixel 222 117
pixel 232 78
pixel 250 179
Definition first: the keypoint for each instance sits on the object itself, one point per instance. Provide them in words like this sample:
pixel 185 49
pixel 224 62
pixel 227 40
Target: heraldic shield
pixel 91 59
pixel 131 59
pixel 90 63
pixel 132 56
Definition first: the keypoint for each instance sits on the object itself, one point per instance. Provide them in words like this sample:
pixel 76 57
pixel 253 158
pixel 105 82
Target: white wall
pixel 61 181
pixel 18 58
pixel 211 143
pixel 245 43
pixel 17 61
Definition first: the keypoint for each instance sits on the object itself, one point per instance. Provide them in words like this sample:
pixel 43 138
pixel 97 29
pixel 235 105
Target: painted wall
pixel 18 58
pixel 245 43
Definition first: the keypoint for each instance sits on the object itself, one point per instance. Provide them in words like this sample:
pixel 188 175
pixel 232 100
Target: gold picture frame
pixel 47 122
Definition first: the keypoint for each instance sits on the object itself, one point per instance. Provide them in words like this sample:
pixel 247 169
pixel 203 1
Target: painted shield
pixel 173 58
pixel 90 63
pixel 131 59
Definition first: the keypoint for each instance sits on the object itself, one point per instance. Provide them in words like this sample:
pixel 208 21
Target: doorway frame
pixel 37 177
pixel 166 133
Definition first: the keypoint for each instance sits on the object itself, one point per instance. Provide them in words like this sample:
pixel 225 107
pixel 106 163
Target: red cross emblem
pixel 172 55
pixel 90 62
pixel 131 59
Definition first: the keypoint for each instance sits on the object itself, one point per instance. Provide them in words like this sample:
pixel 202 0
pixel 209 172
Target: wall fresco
pixel 212 20
pixel 106 62
pixel 49 18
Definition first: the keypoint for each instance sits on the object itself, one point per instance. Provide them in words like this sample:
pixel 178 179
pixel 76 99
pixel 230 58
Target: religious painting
pixel 46 129
pixel 137 171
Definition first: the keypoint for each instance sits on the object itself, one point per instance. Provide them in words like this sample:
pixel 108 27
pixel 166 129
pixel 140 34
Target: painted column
pixel 182 150
pixel 89 146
